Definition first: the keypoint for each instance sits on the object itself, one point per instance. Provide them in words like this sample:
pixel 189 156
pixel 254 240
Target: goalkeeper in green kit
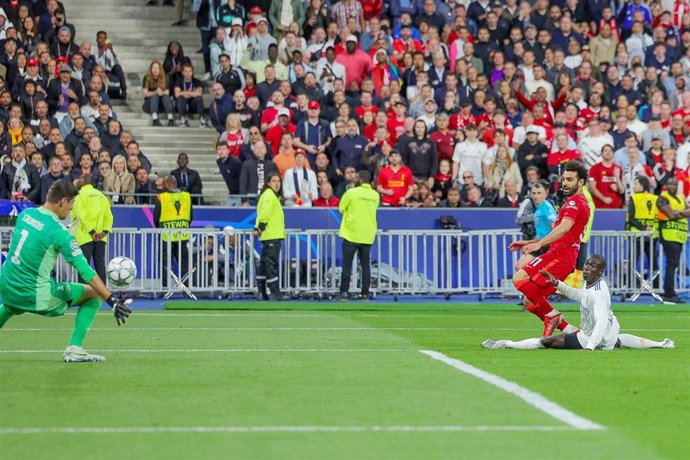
pixel 25 282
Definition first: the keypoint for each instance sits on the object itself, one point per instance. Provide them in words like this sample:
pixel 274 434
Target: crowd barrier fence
pixel 437 262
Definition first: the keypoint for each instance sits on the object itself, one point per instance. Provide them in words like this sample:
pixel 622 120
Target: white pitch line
pixel 530 397
pixel 277 429
pixel 231 350
pixel 290 328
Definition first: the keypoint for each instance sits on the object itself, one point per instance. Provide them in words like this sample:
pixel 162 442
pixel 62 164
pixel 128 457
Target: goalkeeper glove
pixel 120 308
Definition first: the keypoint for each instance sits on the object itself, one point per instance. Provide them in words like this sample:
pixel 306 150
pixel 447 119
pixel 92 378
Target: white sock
pixel 569 329
pixel 527 344
pixel 154 115
pixel 170 116
pixel 633 341
pixel 553 313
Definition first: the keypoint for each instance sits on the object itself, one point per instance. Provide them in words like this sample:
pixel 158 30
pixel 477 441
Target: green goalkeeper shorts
pixel 62 296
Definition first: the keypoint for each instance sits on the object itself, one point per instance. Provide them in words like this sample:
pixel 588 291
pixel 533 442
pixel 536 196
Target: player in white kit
pixel 599 328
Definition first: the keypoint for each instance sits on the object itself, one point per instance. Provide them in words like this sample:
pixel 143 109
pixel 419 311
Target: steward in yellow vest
pixel 643 214
pixel 270 228
pixel 173 210
pixel 92 220
pixel 358 231
pixel 673 232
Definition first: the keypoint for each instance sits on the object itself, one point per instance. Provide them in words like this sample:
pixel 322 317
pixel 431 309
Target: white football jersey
pixel 599 327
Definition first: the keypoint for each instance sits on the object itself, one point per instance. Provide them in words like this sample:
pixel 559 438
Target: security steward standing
pixel 673 232
pixel 643 216
pixel 173 210
pixel 92 220
pixel 358 231
pixel 270 228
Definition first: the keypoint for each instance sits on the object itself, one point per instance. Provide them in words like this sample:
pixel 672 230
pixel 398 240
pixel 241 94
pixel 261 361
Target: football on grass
pixel 121 271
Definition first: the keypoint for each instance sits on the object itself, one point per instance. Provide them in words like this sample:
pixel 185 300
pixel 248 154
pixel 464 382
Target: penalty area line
pixel 530 397
pixel 278 429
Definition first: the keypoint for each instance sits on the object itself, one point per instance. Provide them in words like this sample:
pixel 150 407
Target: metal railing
pixel 430 262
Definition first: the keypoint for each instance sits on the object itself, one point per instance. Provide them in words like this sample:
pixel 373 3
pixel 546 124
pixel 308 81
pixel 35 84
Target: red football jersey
pixel 605 177
pixel 577 209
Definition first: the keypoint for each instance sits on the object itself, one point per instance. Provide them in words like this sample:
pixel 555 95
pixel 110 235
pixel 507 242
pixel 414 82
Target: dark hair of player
pixel 577 167
pixel 61 189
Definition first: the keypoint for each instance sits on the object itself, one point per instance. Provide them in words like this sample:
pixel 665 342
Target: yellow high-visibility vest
pixel 176 212
pixel 673 230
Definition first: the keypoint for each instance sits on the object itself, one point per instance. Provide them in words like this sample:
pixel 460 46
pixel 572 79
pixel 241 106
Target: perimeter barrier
pixel 432 262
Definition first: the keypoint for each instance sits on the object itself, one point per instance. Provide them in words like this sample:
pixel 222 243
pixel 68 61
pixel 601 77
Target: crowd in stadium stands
pixel 56 117
pixel 448 103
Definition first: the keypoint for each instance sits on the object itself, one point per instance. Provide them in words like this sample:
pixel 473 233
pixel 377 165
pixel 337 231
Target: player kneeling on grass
pixel 25 281
pixel 599 326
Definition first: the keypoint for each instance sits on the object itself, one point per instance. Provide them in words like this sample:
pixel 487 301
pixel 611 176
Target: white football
pixel 121 271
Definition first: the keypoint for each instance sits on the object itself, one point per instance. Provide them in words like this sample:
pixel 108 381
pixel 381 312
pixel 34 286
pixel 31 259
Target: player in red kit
pixel 563 244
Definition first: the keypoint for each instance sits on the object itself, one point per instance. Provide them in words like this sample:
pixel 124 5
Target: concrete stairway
pixel 140 34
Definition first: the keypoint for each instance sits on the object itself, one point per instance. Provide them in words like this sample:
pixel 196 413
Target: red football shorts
pixel 549 262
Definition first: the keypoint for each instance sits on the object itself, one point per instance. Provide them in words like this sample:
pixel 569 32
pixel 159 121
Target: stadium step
pixel 141 34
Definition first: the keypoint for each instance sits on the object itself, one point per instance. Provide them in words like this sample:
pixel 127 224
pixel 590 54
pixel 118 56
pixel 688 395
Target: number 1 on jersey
pixel 22 240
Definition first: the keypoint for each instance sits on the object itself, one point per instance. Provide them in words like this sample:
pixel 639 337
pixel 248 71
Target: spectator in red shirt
pixel 562 155
pixel 326 198
pixel 357 63
pixel 395 183
pixel 443 138
pixel 366 100
pixel 606 181
pixel 274 135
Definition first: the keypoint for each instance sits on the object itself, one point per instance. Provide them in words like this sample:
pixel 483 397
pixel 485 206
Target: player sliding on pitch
pixel 563 244
pixel 25 281
pixel 599 326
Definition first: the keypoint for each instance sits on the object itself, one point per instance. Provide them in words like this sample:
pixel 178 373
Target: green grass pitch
pixel 334 381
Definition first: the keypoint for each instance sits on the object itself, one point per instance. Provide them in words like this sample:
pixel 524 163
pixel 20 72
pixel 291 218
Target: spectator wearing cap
pixel 275 133
pixel 63 46
pixel 283 13
pixel 384 71
pixel 188 92
pixel 300 187
pixel 429 115
pixel 357 63
pixel 63 90
pixel 228 12
pixel 313 135
pixel 532 153
pixel 236 42
pixel 257 48
pixel 32 73
pixel 654 130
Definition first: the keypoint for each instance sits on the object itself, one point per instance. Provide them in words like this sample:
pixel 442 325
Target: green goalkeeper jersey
pixel 38 238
